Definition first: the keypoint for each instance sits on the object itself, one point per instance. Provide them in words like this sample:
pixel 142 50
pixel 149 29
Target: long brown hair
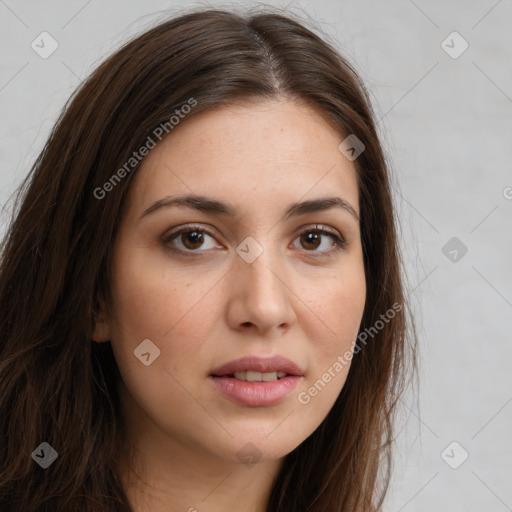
pixel 59 387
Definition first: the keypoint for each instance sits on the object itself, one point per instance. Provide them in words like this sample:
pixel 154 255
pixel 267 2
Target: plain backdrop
pixel 444 105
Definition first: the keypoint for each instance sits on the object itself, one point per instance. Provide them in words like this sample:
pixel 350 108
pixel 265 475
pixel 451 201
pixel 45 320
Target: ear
pixel 101 332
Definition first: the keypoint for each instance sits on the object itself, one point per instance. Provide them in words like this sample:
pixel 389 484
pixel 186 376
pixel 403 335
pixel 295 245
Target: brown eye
pixel 190 239
pixel 311 239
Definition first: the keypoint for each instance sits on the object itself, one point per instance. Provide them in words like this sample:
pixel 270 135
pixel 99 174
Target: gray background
pixel 446 127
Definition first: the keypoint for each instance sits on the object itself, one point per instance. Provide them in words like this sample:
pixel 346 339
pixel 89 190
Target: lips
pixel 258 364
pixel 255 381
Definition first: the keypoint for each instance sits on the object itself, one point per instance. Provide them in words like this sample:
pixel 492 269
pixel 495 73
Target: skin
pixel 259 157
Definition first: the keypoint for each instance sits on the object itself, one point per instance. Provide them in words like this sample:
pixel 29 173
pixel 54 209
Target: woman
pixel 201 301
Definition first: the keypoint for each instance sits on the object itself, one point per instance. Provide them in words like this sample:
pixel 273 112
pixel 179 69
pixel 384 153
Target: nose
pixel 260 295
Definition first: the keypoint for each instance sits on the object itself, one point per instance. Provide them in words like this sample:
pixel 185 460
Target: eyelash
pixel 339 242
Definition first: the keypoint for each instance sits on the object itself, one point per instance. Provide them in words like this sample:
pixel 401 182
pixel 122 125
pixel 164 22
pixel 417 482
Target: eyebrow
pixel 208 205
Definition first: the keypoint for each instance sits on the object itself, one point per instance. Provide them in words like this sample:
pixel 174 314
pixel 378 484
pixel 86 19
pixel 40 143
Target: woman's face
pixel 257 283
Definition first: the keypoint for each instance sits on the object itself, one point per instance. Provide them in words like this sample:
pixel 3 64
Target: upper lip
pixel 258 364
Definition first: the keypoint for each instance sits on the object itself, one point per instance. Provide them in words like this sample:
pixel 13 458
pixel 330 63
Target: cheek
pixel 177 315
pixel 165 306
pixel 335 310
pixel 338 309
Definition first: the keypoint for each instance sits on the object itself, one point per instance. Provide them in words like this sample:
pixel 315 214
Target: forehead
pixel 257 152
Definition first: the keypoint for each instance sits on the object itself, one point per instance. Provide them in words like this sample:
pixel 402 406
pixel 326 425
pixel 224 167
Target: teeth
pixel 259 377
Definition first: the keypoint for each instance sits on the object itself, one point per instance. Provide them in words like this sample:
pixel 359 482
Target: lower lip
pixel 255 394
